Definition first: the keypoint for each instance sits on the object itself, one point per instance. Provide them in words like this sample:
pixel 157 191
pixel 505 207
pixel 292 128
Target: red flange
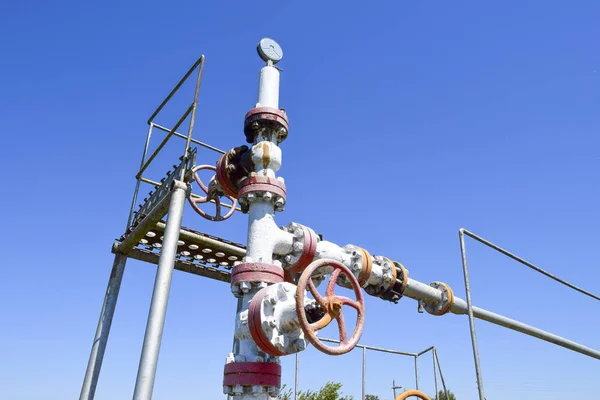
pixel 256 183
pixel 256 272
pixel 252 374
pixel 255 325
pixel 309 249
pixel 264 117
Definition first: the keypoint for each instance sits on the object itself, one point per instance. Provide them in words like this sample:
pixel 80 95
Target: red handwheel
pixel 331 305
pixel 210 194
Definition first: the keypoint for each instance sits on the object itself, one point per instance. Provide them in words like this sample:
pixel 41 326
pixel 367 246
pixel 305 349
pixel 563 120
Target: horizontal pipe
pixel 420 291
pixel 362 346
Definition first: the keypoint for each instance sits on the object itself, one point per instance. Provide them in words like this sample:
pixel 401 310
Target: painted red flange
pixel 332 305
pixel 309 250
pixel 252 374
pixel 255 325
pixel 256 272
pixel 264 116
pixel 194 201
pixel 257 183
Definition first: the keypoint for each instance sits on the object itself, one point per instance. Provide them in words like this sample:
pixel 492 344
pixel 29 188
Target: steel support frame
pixel 162 286
pixel 364 348
pixel 164 274
pixel 92 373
pixel 473 312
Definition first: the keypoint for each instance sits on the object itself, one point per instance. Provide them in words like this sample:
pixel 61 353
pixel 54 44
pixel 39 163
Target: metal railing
pixel 522 328
pixel 436 366
pixel 189 112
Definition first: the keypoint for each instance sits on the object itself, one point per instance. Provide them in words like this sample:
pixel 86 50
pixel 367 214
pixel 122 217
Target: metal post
pixel 417 372
pixel 296 379
pixel 470 314
pixel 92 373
pixel 435 375
pixel 364 374
pixel 138 180
pixel 394 387
pixel 158 307
pixel 441 375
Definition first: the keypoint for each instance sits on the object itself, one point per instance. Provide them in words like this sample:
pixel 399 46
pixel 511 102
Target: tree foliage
pixel 329 391
pixel 442 396
pixel 371 397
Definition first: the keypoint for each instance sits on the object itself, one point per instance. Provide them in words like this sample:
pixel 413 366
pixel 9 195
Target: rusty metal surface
pixel 332 305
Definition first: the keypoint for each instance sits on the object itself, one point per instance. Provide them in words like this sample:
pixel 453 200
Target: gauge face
pixel 268 49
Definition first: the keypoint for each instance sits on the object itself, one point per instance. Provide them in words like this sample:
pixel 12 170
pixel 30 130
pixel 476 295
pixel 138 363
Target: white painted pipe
pixel 268 87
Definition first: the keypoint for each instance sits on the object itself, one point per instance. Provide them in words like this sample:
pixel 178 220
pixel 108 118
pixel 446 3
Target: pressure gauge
pixel 268 49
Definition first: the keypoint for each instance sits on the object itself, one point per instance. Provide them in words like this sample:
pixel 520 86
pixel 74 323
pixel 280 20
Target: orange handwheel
pixel 409 393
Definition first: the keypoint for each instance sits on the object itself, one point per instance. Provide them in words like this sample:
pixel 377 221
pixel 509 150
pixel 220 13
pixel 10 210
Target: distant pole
pixel 296 379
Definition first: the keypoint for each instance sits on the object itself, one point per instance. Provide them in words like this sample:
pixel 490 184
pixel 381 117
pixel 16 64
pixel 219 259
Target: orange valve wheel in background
pixel 411 393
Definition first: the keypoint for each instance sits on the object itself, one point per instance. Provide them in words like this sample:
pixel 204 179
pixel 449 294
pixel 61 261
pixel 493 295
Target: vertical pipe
pixel 296 379
pixel 137 184
pixel 394 387
pixel 107 312
pixel 158 307
pixel 417 372
pixel 435 376
pixel 441 375
pixel 463 254
pixel 364 374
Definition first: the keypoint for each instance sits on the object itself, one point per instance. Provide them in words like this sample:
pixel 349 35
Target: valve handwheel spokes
pixel 332 305
pixel 210 194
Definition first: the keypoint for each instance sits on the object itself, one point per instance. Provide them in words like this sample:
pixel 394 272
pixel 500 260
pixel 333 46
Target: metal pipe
pixel 364 374
pixel 199 143
pixel 137 184
pixel 471 318
pixel 441 375
pixel 425 351
pixel 420 291
pixel 164 142
pixel 527 263
pixel 107 312
pixel 193 116
pixel 417 372
pixel 372 348
pixel 435 380
pixel 535 332
pixel 158 307
pixel 176 88
pixel 296 378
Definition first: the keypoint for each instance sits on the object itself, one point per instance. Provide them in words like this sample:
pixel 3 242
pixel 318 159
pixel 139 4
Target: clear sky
pixel 408 121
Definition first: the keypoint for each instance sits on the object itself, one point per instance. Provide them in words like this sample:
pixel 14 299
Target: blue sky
pixel 408 120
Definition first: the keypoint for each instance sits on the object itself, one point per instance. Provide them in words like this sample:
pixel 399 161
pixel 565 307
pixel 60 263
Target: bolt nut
pixel 245 286
pixel 256 389
pixel 298 246
pixel 267 196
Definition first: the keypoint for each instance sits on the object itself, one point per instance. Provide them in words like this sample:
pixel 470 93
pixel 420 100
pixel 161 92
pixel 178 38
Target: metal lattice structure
pixel 276 275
